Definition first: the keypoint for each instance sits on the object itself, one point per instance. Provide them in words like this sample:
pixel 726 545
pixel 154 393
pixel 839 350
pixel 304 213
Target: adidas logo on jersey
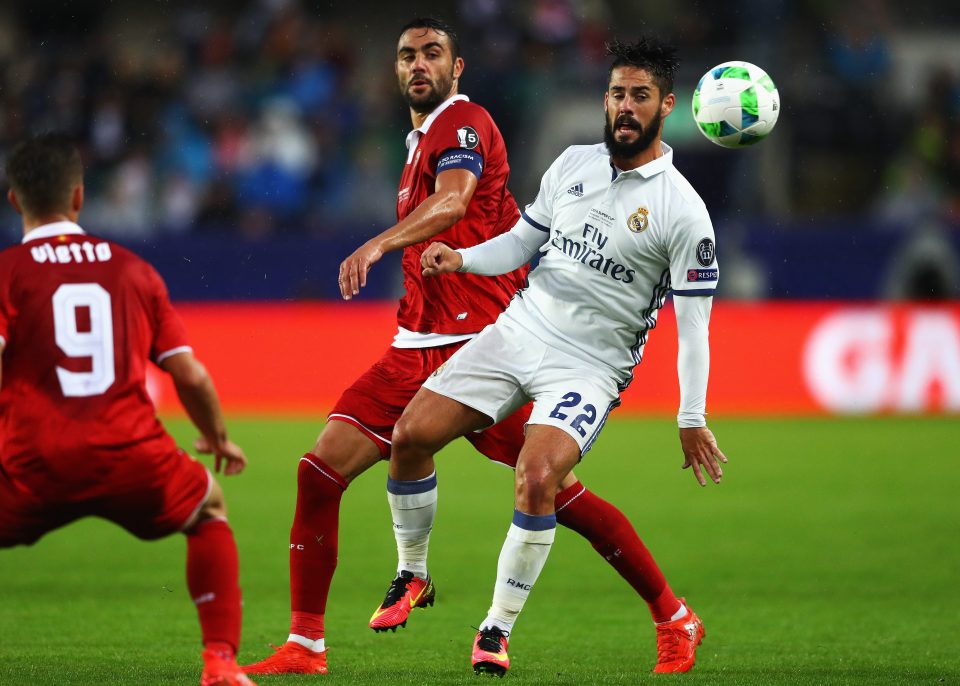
pixel 576 190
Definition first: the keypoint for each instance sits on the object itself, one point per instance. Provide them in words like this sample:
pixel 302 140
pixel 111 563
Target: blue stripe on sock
pixel 412 487
pixel 534 522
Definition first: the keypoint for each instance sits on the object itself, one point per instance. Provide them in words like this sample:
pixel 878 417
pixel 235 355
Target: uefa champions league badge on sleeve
pixel 706 253
pixel 736 104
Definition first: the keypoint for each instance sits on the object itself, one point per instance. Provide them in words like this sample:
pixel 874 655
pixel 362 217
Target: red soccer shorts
pixel 376 400
pixel 157 498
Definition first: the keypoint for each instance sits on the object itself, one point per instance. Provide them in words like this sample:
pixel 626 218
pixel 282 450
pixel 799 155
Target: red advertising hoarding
pixel 770 358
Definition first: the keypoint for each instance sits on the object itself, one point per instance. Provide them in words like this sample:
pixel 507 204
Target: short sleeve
pixel 693 255
pixel 169 333
pixel 539 213
pixel 463 140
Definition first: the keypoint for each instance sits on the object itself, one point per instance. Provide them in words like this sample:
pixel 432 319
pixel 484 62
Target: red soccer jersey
pixel 458 303
pixel 80 317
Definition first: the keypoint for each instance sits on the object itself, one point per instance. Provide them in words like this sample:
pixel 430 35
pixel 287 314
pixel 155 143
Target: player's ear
pixel 76 199
pixel 12 199
pixel 457 67
pixel 666 105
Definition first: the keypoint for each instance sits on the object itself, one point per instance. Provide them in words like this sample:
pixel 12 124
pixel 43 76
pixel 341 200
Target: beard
pixel 645 136
pixel 436 93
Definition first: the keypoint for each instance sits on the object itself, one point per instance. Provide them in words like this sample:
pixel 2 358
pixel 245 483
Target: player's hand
pixel 440 258
pixel 353 270
pixel 700 451
pixel 228 454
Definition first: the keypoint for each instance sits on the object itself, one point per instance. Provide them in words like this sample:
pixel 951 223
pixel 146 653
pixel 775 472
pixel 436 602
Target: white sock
pixel 522 557
pixel 414 506
pixel 679 613
pixel 317 646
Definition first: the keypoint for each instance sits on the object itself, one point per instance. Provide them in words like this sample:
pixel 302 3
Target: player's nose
pixel 419 64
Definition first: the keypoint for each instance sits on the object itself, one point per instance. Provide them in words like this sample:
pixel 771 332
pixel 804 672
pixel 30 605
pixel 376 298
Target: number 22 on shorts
pixel 571 400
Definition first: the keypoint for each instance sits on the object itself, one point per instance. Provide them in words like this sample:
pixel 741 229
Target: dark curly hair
pixel 660 59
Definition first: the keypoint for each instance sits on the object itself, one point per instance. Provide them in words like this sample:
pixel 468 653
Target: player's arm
pixel 699 447
pixel 498 255
pixel 199 398
pixel 446 206
pixel 506 252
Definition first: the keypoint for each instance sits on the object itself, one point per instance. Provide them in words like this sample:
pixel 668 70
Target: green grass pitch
pixel 829 555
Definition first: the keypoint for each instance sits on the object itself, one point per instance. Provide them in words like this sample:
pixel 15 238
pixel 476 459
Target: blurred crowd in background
pixel 282 117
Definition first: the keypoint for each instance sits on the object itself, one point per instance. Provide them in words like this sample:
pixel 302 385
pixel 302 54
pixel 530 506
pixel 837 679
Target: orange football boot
pixel 220 669
pixel 290 658
pixel 405 593
pixel 490 652
pixel 677 643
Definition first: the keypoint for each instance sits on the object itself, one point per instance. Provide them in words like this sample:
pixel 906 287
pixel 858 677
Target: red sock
pixel 313 544
pixel 611 534
pixel 213 580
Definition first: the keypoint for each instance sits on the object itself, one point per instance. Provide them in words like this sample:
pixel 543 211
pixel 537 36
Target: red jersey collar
pixel 63 228
pixel 412 136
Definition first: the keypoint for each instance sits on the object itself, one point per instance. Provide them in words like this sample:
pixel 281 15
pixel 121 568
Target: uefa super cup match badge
pixel 639 220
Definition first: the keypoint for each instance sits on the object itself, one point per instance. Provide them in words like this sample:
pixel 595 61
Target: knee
pixel 535 489
pixel 214 507
pixel 411 439
pixel 344 451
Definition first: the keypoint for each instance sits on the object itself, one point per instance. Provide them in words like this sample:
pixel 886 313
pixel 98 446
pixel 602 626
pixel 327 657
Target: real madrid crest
pixel 639 220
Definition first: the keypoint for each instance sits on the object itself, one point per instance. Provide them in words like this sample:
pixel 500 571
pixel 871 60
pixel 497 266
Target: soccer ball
pixel 736 104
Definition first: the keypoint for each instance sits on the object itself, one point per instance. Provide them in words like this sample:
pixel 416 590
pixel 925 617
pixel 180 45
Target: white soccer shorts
pixel 506 366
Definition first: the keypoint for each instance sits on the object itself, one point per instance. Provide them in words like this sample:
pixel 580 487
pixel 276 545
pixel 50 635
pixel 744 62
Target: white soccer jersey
pixel 618 242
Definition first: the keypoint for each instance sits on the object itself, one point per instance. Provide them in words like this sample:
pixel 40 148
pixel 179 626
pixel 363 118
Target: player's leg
pixel 574 404
pixel 454 400
pixel 600 522
pixel 26 517
pixel 165 493
pixel 355 438
pixel 430 422
pixel 341 453
pixel 213 579
pixel 548 455
pixel 613 537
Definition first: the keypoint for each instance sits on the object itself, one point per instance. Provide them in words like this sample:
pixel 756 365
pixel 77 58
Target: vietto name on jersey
pixel 618 242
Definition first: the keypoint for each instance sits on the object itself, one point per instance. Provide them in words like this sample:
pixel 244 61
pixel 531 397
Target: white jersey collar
pixel 653 167
pixel 63 228
pixel 414 135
